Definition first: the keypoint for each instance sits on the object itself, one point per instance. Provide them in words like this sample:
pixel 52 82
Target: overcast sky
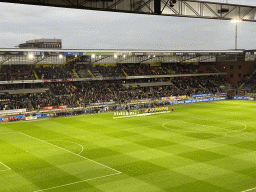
pixel 84 29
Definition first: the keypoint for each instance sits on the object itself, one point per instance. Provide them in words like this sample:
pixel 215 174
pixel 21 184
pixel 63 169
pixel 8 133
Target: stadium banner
pixel 21 81
pixel 103 103
pixel 58 80
pixel 30 118
pixel 31 52
pixel 48 108
pixel 47 80
pixel 41 115
pixel 73 53
pixel 245 98
pixel 99 53
pixel 32 81
pixel 177 102
pixel 63 107
pixel 16 82
pixel 139 53
pixel 198 100
pixel 219 98
pixel 174 97
pixel 12 111
pixel 5 119
pixel 14 53
pixel 202 95
pixel 69 79
pixel 222 93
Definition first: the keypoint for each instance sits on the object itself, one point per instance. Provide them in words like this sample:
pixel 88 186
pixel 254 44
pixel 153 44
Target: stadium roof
pixel 83 51
pixel 179 8
pixel 118 56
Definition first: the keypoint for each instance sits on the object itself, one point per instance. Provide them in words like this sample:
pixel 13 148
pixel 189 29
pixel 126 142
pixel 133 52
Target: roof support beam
pixel 157 6
pixel 182 8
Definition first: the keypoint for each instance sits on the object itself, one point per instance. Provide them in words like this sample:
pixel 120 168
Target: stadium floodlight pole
pixel 236 21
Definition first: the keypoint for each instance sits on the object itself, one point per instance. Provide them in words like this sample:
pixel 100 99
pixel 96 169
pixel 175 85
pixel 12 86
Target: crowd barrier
pixel 244 98
pixel 42 115
pixel 202 95
pixel 198 100
pixel 4 119
pixel 76 111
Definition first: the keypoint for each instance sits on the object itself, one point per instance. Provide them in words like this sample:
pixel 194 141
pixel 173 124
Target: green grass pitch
pixel 204 147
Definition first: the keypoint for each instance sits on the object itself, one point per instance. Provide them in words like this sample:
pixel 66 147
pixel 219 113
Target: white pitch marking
pixel 249 189
pixel 204 125
pixel 8 133
pixel 77 182
pixel 71 152
pixel 70 142
pixel 8 168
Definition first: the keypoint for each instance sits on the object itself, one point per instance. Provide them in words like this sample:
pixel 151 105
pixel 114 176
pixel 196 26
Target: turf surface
pixel 200 147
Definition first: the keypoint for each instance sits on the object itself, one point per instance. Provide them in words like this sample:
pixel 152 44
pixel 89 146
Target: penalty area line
pixel 117 172
pixel 249 189
pixel 78 182
pixel 8 168
pixel 72 152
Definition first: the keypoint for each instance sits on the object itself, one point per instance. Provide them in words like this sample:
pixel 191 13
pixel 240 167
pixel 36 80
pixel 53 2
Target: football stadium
pixel 127 120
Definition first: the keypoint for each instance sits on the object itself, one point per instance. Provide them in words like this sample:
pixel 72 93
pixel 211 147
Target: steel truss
pixel 183 8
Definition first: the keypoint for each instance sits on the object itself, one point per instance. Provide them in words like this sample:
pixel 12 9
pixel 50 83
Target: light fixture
pixel 93 55
pixel 236 20
pixel 172 2
pixel 115 56
pixel 30 56
pixel 60 56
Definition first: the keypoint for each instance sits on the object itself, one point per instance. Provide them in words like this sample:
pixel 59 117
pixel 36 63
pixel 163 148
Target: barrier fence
pixel 118 109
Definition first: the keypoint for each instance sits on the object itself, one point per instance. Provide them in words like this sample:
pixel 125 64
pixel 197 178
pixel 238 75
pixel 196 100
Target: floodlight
pixel 124 56
pixel 93 55
pixel 60 56
pixel 100 56
pixel 236 20
pixel 115 56
pixel 30 56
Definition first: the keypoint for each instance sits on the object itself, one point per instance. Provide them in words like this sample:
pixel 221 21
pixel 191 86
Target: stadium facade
pixel 44 78
pixel 42 44
pixel 43 57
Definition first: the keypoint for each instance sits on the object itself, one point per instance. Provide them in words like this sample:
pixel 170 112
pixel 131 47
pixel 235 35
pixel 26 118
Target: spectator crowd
pixel 83 93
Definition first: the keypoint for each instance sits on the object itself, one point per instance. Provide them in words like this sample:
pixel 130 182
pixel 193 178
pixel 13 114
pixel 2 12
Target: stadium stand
pixel 16 72
pixel 81 93
pixel 77 79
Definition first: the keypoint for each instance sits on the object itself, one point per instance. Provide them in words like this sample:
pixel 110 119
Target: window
pixel 231 75
pixel 231 67
pixel 239 66
pixel 239 74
